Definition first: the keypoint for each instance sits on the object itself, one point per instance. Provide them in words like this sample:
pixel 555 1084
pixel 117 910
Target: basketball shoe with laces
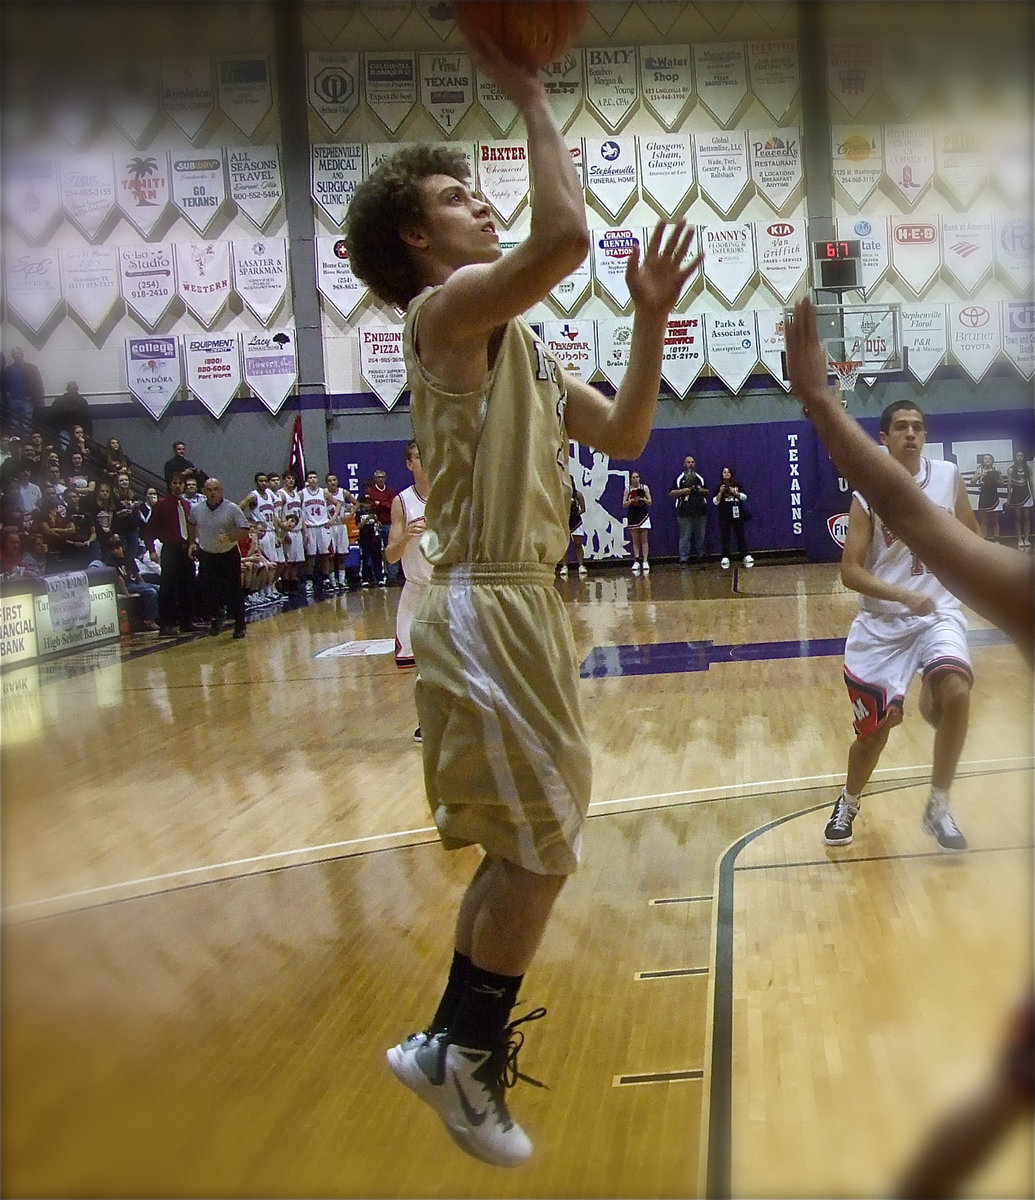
pixel 939 824
pixel 839 828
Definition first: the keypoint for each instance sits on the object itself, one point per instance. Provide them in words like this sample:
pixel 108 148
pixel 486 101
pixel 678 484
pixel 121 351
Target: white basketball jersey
pixel 266 508
pixel 891 560
pixel 291 504
pixel 314 507
pixel 415 566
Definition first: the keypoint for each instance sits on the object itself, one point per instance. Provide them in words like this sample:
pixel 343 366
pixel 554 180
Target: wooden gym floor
pixel 224 899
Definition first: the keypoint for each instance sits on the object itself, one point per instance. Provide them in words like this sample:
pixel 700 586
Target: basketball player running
pixel 506 761
pixel 404 545
pixel 907 621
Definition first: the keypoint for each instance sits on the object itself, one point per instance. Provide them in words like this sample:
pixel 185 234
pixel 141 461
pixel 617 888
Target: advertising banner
pixel 334 278
pixel 261 274
pixel 134 97
pixel 143 188
pixel 772 343
pixel 1018 317
pixel 381 361
pixel 975 336
pixel 611 173
pixel 199 186
pixel 337 170
pixel 245 90
pixel 614 338
pixel 563 81
pixel 858 160
pixel 916 251
pixel 500 110
pixel 148 281
pixel 446 80
pixel 925 339
pixel 154 373
pixel 775 77
pixel 721 72
pixel 188 93
pixel 31 191
pixel 732 347
pixel 503 177
pixel 968 250
pixel 90 282
pixel 611 89
pixel 667 171
pixel 333 86
pixel 270 366
pixel 390 85
pixel 961 162
pixel 88 190
pixel 203 277
pixel 874 234
pixel 722 167
pixel 666 81
pixel 574 345
pixel 782 248
pixel 775 158
pixel 611 247
pixel 683 356
pixel 729 257
pixel 214 369
pixel 1014 238
pixel 851 72
pixel 32 285
pixel 909 160
pixel 256 182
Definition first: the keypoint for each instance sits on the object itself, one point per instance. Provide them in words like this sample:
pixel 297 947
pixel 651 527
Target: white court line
pixel 306 853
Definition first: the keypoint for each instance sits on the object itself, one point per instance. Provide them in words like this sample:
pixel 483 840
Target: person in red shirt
pixel 381 496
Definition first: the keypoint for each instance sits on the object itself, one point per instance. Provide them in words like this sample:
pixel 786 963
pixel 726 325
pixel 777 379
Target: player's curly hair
pixel 385 202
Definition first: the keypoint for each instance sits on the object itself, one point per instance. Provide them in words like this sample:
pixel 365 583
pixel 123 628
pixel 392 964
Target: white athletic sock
pixel 852 800
pixel 940 796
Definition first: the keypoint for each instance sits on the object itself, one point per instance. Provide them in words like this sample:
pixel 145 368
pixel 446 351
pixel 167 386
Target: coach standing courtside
pixel 215 526
pixel 168 525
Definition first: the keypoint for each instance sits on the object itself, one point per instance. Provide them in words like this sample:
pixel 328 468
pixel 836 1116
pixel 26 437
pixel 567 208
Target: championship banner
pixel 334 278
pixel 333 86
pixel 143 188
pixel 905 72
pixel 975 336
pixel 503 177
pixel 245 90
pixel 154 373
pixel 729 257
pixel 203 278
pixel 199 187
pixel 924 338
pixel 774 74
pixel 667 171
pixel 683 356
pixel 851 72
pixel 1010 163
pixel 214 369
pixel 1019 335
pixel 874 234
pixel 614 338
pixel 188 93
pixel 134 97
pixel 337 170
pixel 446 87
pixel 501 111
pixel 32 285
pixel 722 167
pixel 270 367
pixel 563 83
pixel 390 83
pixel 968 250
pixel 387 16
pixel 148 281
pixel 783 254
pixel 574 345
pixel 731 346
pixel 611 247
pixel 31 193
pixel 1014 240
pixel 721 70
pixel 256 182
pixel 568 294
pixel 90 283
pixel 916 252
pixel 857 152
pixel 329 16
pixel 909 159
pixel 666 82
pixel 611 173
pixel 381 361
pixel 88 191
pixel 261 274
pixel 775 158
pixel 961 163
pixel 611 87
pixel 772 343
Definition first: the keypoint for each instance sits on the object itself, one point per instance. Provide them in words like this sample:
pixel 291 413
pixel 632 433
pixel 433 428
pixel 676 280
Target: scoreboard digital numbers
pixel 837 264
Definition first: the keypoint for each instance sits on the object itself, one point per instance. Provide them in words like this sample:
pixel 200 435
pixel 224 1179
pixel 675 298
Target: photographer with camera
pixel 731 501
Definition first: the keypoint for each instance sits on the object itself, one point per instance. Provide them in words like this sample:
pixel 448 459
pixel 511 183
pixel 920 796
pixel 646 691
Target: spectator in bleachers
pixel 22 391
pixel 11 565
pixel 25 489
pixel 180 464
pixel 129 583
pixel 34 555
pixel 79 479
pixel 67 411
pixel 191 488
pixel 102 511
pixel 79 548
pixel 114 459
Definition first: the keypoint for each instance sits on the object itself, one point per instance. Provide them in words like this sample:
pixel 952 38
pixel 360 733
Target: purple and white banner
pixel 968 250
pixel 732 347
pixel 925 339
pixel 611 87
pixel 334 278
pixel 722 82
pixel 611 248
pixel 256 182
pixel 909 160
pixel 333 86
pixel 683 357
pixel 782 248
pixel 975 336
pixel 614 339
pixel 390 84
pixel 154 373
pixel 916 251
pixel 851 72
pixel 143 188
pixel 574 345
pixel 611 173
pixel 500 110
pixel 90 283
pixel 245 90
pixel 32 285
pixel 134 97
pixel 148 280
pixel 666 82
pixel 261 274
pixel 446 87
pixel 31 192
pixel 503 177
pixel 775 164
pixel 667 171
pixel 270 366
pixel 729 258
pixel 1019 335
pixel 961 162
pixel 188 93
pixel 337 170
pixel 88 190
pixel 199 186
pixel 722 167
pixel 214 369
pixel 381 361
pixel 1014 237
pixel 563 81
pixel 774 73
pixel 772 343
pixel 858 160
pixel 874 234
pixel 203 278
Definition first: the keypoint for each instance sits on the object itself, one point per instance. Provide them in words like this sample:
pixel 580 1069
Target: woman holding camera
pixel 731 501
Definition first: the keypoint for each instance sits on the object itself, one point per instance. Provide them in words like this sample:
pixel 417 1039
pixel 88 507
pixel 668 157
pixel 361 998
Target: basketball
pixel 529 32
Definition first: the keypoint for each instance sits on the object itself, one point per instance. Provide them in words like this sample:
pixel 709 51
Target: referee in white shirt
pixel 215 526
